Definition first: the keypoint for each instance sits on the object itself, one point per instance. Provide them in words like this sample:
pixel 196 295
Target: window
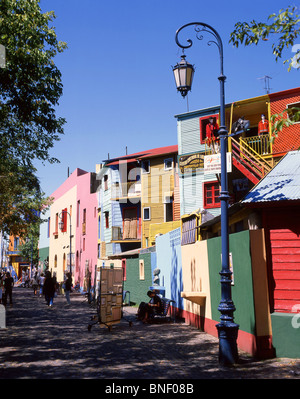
pixel 84 221
pixel 83 244
pixel 145 166
pixel 124 269
pixel 99 250
pixel 16 243
pixel 146 214
pixel 189 230
pixel 211 195
pixel 48 229
pixel 168 205
pixel 64 219
pixel 78 213
pixel 56 225
pixel 106 182
pixel 168 163
pixel 293 109
pixel 203 122
pixel 142 269
pixel 106 214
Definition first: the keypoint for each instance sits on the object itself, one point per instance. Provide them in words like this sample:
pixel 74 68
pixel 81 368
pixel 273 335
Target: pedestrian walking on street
pixel 41 281
pixel 49 289
pixel 1 287
pixel 35 283
pixel 8 286
pixel 68 287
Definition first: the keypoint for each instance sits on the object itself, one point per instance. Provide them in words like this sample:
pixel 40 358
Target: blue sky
pixel 119 88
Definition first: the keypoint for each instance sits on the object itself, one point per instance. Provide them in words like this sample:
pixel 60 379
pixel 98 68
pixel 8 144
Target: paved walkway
pixel 54 343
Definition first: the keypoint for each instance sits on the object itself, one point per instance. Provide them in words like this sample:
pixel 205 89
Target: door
pixel 129 223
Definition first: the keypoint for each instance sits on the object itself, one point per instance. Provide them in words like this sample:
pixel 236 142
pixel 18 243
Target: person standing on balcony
pixel 263 128
pixel 263 125
pixel 211 135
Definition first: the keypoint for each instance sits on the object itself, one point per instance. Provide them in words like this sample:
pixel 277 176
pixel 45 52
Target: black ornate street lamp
pixel 227 329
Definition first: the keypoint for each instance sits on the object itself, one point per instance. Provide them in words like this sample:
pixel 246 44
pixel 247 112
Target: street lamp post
pixel 183 73
pixel 62 226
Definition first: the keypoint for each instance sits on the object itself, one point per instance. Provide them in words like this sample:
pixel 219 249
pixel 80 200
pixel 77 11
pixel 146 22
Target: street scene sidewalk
pixel 54 343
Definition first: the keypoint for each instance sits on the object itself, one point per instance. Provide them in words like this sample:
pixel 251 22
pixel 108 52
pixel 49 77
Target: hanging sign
pixel 212 163
pixel 191 162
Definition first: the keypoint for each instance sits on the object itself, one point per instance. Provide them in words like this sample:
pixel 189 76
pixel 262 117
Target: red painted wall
pixel 282 228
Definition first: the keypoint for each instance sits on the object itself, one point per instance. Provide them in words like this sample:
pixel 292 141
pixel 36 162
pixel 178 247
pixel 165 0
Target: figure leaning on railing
pixel 212 138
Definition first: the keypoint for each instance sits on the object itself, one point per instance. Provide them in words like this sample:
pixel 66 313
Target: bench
pixel 164 312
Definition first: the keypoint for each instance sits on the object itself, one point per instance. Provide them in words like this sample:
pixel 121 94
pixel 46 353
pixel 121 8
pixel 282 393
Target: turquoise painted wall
pixel 168 252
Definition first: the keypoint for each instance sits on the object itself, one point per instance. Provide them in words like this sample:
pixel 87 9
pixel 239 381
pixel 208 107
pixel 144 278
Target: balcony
pixel 125 190
pixel 130 233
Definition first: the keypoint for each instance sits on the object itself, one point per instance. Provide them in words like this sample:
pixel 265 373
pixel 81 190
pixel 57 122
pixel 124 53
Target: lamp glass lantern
pixel 183 74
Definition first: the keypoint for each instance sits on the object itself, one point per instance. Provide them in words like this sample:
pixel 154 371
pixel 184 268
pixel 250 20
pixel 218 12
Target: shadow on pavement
pixel 54 343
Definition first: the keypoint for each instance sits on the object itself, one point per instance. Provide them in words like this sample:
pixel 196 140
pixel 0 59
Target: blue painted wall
pixel 168 257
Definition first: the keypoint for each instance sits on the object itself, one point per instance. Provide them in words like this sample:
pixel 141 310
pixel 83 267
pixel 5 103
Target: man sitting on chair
pixel 146 310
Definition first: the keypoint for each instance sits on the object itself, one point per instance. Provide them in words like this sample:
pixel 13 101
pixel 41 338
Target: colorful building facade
pixel 74 243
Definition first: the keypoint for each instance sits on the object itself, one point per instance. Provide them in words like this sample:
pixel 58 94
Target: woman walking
pixel 49 289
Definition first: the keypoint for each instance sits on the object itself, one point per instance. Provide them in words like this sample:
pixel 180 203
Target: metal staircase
pixel 245 158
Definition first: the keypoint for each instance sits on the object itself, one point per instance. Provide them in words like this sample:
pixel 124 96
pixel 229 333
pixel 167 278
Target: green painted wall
pixel 138 288
pixel 285 332
pixel 43 253
pixel 242 290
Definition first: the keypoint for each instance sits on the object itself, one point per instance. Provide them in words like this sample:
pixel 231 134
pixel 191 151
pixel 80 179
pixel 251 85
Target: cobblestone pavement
pixel 54 343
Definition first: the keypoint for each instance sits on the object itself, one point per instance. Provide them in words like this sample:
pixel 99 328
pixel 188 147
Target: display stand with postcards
pixel 109 297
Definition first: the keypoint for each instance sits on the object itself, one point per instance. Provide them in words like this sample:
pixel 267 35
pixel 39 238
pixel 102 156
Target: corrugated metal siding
pixel 189 231
pixel 283 243
pixel 191 192
pixel 282 183
pixel 189 136
pixel 176 204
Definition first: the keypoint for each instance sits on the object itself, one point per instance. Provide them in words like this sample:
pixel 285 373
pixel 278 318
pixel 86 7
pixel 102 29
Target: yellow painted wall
pixel 155 186
pixel 60 246
pixel 162 228
pixel 195 276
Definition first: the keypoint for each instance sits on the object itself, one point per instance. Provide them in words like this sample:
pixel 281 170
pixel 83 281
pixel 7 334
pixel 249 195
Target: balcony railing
pixel 260 144
pixel 125 190
pixel 128 235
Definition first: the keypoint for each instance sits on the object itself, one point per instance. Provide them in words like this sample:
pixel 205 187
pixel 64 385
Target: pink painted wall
pixel 86 244
pixel 68 184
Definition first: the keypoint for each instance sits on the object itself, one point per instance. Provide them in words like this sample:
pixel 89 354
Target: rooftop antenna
pixel 267 85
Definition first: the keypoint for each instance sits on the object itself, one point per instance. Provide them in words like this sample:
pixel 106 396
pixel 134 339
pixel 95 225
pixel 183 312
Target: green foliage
pixel 284 26
pixel 30 83
pixel 285 118
pixel 30 88
pixel 21 198
pixel 30 247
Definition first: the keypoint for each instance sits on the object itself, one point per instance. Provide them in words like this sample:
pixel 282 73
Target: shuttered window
pixel 189 231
